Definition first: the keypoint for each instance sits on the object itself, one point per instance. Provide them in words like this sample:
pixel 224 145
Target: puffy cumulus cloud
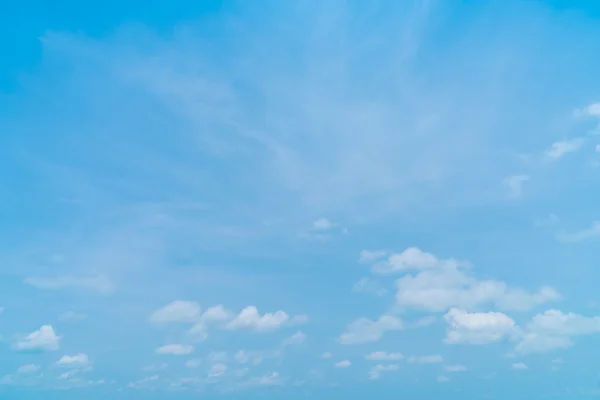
pixel 436 285
pixel 364 330
pixel 591 110
pixel 175 349
pixel 249 318
pixel 75 361
pixel 553 329
pixel 377 370
pixel 384 356
pixel 478 327
pixel 561 148
pixel 216 313
pixel 176 312
pixel 410 259
pixel 430 359
pixel 44 339
pixel 343 364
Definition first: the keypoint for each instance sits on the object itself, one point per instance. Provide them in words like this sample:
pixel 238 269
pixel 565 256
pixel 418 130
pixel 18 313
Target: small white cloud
pixel 323 224
pixel 43 339
pixel 249 318
pixel 563 147
pixel 177 311
pixel 216 313
pixel 554 330
pixel 99 284
pixel 175 349
pixel 477 327
pixel 455 368
pixel 343 364
pixel 376 371
pixel 326 355
pixel 592 110
pixel 368 256
pixel 75 361
pixel 514 184
pixel 294 340
pixel 520 366
pixel 584 234
pixel 442 379
pixel 431 359
pixel 383 356
pixel 217 370
pixel 364 330
pixel 28 369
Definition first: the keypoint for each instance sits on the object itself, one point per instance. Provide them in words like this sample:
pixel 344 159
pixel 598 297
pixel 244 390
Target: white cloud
pixel 455 368
pixel 175 349
pixel 217 370
pixel 478 327
pixel 581 235
pixel 323 224
pixel 442 378
pixel 99 284
pixel 592 110
pixel 216 313
pixel 249 318
pixel 563 147
pixel 296 339
pixel 440 284
pixel 368 257
pixel 554 330
pixel 378 369
pixel 75 361
pixel 431 359
pixel 520 366
pixel 514 184
pixel 343 364
pixel 364 330
pixel 28 369
pixel 410 259
pixel 177 311
pixel 43 339
pixel 383 356
pixel 326 355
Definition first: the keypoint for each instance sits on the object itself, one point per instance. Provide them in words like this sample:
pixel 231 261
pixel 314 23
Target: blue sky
pixel 269 200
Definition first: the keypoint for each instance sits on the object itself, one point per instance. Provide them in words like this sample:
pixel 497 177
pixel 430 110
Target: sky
pixel 301 200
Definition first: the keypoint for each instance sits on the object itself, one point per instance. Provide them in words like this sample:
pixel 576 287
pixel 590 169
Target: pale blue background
pixel 184 149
